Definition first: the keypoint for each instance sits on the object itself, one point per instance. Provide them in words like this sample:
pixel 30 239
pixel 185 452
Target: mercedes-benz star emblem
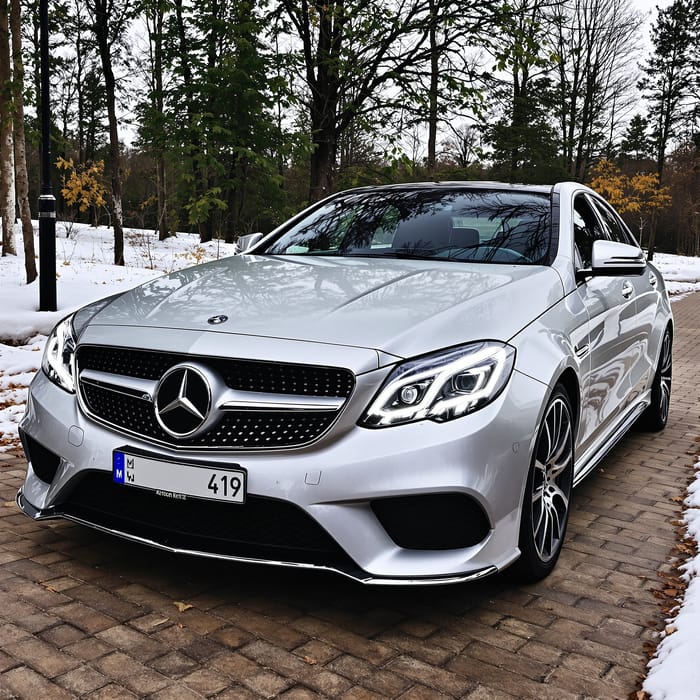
pixel 216 320
pixel 183 401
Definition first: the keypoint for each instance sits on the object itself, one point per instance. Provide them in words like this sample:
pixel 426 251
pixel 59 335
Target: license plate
pixel 178 481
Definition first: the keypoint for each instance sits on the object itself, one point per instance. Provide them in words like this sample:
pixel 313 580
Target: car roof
pixel 454 185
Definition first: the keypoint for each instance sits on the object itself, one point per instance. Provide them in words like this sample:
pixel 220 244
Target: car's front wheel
pixel 545 510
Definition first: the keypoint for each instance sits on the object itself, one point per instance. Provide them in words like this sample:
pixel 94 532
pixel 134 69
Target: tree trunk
pixel 322 162
pixel 7 204
pixel 433 92
pixel 324 104
pixel 101 29
pixel 20 146
pixel 652 238
pixel 195 145
pixel 163 232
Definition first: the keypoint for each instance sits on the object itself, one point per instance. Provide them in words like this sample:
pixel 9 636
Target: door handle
pixel 627 290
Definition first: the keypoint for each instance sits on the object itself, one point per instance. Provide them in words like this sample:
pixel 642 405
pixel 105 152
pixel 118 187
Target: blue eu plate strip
pixel 118 467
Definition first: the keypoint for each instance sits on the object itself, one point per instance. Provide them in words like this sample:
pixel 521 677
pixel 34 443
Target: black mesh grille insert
pixel 247 375
pixel 241 429
pixel 263 528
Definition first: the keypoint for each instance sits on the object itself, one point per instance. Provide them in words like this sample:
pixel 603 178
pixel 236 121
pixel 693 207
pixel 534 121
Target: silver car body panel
pixel 366 315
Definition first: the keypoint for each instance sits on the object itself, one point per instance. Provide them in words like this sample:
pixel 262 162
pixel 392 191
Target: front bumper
pixel 333 482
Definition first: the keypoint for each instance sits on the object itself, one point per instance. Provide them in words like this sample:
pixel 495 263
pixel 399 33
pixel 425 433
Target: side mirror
pixel 245 243
pixel 610 259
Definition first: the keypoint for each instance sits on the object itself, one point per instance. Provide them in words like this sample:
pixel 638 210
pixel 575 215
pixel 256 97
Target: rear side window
pixel 586 230
pixel 615 230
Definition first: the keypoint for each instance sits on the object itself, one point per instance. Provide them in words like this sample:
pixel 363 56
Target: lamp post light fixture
pixel 47 202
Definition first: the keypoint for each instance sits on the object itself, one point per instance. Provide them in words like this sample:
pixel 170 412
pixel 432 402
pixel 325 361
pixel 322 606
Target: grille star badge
pixel 182 401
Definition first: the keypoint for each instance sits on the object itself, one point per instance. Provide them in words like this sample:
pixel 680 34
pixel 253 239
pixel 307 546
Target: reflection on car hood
pixel 403 307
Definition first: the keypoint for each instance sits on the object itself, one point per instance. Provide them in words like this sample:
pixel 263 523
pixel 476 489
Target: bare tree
pixel 597 43
pixel 353 47
pixel 462 146
pixel 110 21
pixel 154 18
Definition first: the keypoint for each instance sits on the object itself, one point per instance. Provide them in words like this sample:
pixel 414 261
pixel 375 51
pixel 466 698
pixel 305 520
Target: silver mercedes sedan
pixel 401 384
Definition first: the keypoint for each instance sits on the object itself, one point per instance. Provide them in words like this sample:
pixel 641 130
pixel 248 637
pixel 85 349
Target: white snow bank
pixel 674 672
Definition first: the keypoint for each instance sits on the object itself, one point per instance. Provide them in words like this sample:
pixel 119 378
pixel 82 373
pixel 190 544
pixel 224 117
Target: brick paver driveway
pixel 86 615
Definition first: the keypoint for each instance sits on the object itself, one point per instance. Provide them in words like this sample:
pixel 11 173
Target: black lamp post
pixel 47 202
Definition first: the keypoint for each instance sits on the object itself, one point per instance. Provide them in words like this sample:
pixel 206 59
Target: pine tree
pixel 670 73
pixel 636 143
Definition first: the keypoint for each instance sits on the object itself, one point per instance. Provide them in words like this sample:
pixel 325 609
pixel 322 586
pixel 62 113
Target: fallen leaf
pixel 310 661
pixel 182 606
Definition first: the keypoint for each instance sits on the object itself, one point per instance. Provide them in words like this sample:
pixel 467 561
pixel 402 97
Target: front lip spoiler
pixel 358 575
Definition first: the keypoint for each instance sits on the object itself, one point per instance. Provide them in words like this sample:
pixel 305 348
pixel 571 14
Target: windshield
pixel 477 225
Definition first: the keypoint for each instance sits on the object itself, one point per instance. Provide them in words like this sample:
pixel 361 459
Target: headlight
pixel 57 362
pixel 442 386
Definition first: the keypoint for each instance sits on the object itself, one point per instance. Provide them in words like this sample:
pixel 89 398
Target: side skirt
pixel 596 453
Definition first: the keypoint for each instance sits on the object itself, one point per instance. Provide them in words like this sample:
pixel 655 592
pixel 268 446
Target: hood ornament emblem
pixel 216 320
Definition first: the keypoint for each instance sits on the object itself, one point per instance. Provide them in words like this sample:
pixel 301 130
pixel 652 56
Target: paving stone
pixel 267 683
pixel 432 676
pixel 24 682
pixel 42 657
pixel 236 692
pixel 82 680
pixel 386 683
pixel 88 616
pixel 174 664
pixel 112 692
pixel 176 692
pixel 205 681
pixel 140 645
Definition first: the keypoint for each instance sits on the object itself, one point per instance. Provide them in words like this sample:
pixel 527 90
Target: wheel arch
pixel 569 380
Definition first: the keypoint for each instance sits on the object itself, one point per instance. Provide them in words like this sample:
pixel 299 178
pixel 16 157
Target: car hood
pixel 402 307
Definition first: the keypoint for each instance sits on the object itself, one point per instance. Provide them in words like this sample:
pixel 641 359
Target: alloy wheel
pixel 665 377
pixel 551 482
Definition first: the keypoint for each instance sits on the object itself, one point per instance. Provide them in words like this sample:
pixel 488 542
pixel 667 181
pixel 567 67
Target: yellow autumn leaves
pixel 82 185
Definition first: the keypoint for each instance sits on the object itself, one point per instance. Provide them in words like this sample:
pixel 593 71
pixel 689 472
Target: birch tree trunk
pixel 22 179
pixel 7 202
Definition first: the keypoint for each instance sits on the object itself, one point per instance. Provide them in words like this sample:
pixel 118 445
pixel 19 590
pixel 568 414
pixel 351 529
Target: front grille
pixel 237 429
pixel 261 528
pixel 246 375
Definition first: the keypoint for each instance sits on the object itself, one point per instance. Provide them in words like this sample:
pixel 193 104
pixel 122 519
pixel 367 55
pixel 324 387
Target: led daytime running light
pixel 489 364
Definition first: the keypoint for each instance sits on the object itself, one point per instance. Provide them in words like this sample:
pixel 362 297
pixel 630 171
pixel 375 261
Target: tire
pixel 546 503
pixel 655 416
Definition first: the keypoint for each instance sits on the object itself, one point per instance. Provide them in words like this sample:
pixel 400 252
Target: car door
pixel 645 298
pixel 612 333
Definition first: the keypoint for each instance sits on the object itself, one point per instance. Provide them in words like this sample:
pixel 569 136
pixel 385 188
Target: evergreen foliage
pixel 226 116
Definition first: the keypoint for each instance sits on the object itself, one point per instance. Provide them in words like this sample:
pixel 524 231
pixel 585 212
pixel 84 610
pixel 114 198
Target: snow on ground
pixel 85 273
pixel 681 273
pixel 674 673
